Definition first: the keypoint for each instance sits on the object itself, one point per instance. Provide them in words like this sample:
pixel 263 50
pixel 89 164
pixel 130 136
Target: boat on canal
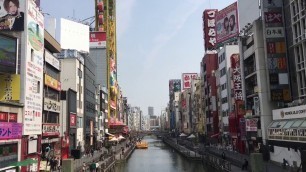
pixel 142 145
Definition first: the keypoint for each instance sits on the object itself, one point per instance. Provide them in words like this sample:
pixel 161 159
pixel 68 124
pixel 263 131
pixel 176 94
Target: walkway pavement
pixel 235 158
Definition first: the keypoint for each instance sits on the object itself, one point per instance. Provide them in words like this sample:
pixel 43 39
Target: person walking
pixel 245 165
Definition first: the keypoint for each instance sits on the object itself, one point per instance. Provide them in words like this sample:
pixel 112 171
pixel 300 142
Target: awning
pixel 24 163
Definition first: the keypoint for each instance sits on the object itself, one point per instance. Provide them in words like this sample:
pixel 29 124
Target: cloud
pixel 124 8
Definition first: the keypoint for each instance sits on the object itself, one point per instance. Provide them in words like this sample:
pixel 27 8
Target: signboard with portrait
pixel 8 54
pixel 227 23
pixel 12 15
pixel 209 24
pixel 187 77
pixel 34 58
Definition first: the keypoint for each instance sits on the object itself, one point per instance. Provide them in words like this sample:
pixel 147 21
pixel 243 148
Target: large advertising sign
pixel 51 105
pixel 33 102
pixel 209 24
pixel 236 75
pixel 227 23
pixel 8 54
pixel 275 45
pixel 10 130
pixel 187 77
pixel 174 86
pixel 9 87
pixel 74 35
pixel 12 15
pixel 97 39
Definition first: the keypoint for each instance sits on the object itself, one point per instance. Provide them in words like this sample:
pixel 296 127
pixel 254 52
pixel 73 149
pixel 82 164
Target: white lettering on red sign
pixel 236 76
pixel 210 28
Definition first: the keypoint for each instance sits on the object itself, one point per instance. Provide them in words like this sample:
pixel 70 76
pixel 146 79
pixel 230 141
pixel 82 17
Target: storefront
pixel 287 134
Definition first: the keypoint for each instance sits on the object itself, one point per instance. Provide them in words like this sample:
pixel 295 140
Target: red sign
pixel 97 39
pixel 13 117
pixel 273 17
pixel 72 119
pixel 187 78
pixel 209 24
pixel 236 76
pixel 3 116
pixel 251 124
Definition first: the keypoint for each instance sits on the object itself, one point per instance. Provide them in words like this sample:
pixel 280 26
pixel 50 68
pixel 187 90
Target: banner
pixel 209 26
pixel 10 130
pixel 187 77
pixel 97 39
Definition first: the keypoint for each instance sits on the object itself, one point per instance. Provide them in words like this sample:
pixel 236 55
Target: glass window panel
pixel 288 124
pixel 274 125
pixel 281 124
pixel 297 123
pixel 303 125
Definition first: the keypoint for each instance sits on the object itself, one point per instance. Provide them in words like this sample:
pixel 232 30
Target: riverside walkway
pixel 212 156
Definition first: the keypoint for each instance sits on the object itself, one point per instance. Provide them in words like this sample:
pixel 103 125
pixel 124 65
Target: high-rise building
pixel 151 111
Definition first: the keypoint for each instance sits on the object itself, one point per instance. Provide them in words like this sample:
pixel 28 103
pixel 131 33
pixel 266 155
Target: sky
pixel 157 40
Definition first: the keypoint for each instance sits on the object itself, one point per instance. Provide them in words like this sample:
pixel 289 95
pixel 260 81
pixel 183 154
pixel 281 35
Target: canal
pixel 158 158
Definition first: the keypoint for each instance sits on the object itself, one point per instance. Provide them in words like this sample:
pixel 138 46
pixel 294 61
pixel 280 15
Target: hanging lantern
pixel 100 7
pixel 100 19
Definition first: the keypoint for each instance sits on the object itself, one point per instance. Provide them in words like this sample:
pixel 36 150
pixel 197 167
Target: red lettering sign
pixel 72 119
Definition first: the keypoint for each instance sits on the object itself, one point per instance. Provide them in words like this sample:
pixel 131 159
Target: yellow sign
pixel 53 83
pixel 9 87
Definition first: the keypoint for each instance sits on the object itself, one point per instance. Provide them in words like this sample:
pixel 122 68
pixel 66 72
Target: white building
pixel 224 89
pixel 73 78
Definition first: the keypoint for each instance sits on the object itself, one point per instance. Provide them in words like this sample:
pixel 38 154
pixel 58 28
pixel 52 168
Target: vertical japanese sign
pixel 236 76
pixel 187 77
pixel 209 28
pixel 276 50
pixel 72 120
pixel 34 71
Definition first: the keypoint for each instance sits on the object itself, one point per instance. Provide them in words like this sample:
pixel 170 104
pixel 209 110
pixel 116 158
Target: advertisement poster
pixel 8 54
pixel 34 71
pixel 10 130
pixel 12 15
pixel 174 86
pixel 9 87
pixel 227 23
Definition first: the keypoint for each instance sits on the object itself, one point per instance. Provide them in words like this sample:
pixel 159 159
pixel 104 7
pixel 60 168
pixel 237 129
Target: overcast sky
pixel 157 40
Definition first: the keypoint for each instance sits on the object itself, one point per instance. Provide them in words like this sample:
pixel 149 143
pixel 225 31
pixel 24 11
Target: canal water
pixel 158 158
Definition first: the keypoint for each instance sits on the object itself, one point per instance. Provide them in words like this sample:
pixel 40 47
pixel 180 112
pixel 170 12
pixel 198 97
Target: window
pixel 32 55
pixel 50 93
pixel 80 122
pixel 79 73
pixel 38 86
pixel 222 72
pixel 50 117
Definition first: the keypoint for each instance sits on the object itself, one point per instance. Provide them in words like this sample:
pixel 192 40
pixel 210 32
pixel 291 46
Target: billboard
pixel 8 54
pixel 209 24
pixel 227 23
pixel 12 15
pixel 74 35
pixel 33 102
pixel 9 87
pixel 97 39
pixel 187 77
pixel 53 83
pixel 275 49
pixel 174 86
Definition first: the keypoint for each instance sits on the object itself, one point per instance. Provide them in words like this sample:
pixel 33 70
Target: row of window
pixel 221 58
